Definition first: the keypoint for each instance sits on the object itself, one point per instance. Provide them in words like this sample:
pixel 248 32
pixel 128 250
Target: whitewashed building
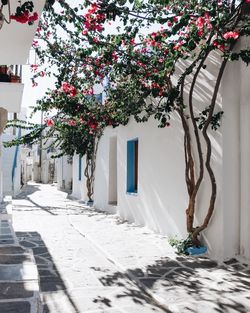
pixel 43 165
pixel 26 164
pixel 156 196
pixel 12 158
pixel 64 173
pixel 16 41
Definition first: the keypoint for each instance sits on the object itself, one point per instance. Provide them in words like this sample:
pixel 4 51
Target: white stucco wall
pixel 162 197
pixel 1 170
pixel 105 168
pixel 244 158
pixel 64 173
pixel 9 187
pixel 78 185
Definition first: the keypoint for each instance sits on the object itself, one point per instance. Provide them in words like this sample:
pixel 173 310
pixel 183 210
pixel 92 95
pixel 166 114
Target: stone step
pixel 17 290
pixel 15 307
pixel 19 279
pixel 16 259
pixel 13 250
pixel 18 272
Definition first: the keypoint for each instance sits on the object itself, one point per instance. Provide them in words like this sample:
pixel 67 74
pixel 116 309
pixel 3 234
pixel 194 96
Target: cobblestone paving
pixel 90 261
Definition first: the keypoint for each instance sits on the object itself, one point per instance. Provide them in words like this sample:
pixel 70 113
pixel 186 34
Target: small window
pixel 132 166
pixel 80 168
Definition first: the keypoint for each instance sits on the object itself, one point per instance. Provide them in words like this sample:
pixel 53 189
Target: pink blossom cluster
pixel 203 22
pixel 89 92
pixel 50 122
pixel 92 20
pixel 26 17
pixel 231 35
pixel 72 123
pixel 69 89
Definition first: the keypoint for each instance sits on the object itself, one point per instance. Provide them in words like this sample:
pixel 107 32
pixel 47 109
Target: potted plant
pixel 187 246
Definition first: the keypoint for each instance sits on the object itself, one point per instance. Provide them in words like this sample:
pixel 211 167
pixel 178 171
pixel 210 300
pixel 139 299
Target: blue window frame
pixel 80 168
pixel 132 166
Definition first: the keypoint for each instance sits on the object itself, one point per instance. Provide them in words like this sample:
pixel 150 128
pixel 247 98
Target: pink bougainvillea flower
pixel 35 44
pixel 91 91
pixel 50 123
pixel 25 17
pixel 34 67
pixel 88 92
pixel 200 22
pixel 200 33
pixel 67 88
pixel 231 35
pixel 72 122
pixel 114 56
pixel 177 46
pixel 33 18
pixel 93 125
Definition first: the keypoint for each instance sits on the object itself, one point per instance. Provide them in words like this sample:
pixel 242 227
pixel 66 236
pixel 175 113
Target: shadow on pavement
pixel 193 284
pixel 112 294
pixel 28 189
pixel 50 278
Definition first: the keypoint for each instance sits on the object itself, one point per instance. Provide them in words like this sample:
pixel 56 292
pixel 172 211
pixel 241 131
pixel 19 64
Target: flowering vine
pixel 139 62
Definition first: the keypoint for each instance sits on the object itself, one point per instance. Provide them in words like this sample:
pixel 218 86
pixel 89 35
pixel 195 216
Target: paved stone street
pixel 90 261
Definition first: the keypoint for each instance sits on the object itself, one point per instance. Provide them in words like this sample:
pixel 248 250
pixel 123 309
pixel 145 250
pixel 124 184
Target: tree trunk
pixel 89 171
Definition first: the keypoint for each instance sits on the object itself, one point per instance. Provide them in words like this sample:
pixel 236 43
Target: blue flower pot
pixel 196 250
pixel 90 203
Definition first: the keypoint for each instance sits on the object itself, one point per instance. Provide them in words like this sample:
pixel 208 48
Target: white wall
pixel 1 170
pixel 9 187
pixel 16 51
pixel 230 186
pixel 26 164
pixel 104 160
pixel 244 159
pixel 64 173
pixel 162 198
pixel 79 186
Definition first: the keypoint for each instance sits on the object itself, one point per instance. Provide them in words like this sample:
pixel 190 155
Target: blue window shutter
pixel 132 166
pixel 80 168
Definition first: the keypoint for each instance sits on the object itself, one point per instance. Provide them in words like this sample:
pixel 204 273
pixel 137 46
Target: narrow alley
pixel 91 261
